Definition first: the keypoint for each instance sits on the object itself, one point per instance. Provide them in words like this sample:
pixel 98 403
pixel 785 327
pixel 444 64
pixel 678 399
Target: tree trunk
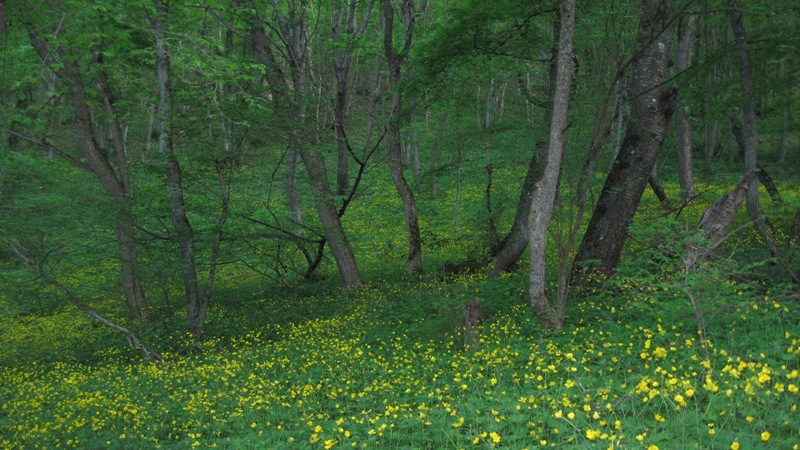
pixel 195 305
pixel 683 125
pixel 511 247
pixel 437 142
pixel 331 223
pixel 544 190
pixel 395 61
pixel 342 61
pixel 117 188
pixel 514 243
pixel 651 110
pixel 750 138
pixel 293 35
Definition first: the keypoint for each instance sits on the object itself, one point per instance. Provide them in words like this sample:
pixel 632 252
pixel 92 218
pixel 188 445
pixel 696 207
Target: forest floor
pixel 307 366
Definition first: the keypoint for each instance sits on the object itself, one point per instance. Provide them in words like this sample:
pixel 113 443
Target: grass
pixel 307 366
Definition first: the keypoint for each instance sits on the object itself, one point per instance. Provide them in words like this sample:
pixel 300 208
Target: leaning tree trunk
pixel 652 107
pixel 544 190
pixel 195 306
pixel 395 60
pixel 511 247
pixel 118 188
pixel 749 114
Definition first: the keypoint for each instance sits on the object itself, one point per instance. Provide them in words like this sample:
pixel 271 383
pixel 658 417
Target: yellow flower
pixel 735 445
pixel 765 436
pixel 652 447
pixel 592 434
pixel 495 437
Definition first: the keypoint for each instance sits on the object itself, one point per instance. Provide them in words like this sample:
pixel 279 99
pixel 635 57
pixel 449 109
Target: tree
pixel 196 306
pixel 342 60
pixel 110 169
pixel 290 106
pixel 749 112
pixel 395 60
pixel 687 37
pixel 544 190
pixel 652 107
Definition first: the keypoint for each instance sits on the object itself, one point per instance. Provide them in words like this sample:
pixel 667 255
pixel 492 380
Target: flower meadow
pixel 308 366
pixel 387 369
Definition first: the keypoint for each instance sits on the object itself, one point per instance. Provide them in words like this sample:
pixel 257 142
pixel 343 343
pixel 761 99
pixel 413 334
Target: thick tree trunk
pixel 118 188
pixel 749 114
pixel 683 125
pixel 651 110
pixel 395 61
pixel 195 306
pixel 544 191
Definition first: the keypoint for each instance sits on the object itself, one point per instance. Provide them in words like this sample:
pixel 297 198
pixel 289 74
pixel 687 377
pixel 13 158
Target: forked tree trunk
pixel 195 305
pixel 395 61
pixel 117 187
pixel 291 107
pixel 544 190
pixel 651 110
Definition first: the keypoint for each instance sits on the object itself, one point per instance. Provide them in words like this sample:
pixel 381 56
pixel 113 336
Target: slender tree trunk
pixel 683 125
pixel 544 190
pixel 652 108
pixel 118 188
pixel 195 305
pixel 342 60
pixel 395 60
pixel 749 114
pixel 437 142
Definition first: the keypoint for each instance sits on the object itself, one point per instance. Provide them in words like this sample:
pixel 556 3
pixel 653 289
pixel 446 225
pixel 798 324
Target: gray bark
pixel 651 111
pixel 395 61
pixel 754 209
pixel 116 186
pixel 544 191
pixel 195 305
pixel 683 126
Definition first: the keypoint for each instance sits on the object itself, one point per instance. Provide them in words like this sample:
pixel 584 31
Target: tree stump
pixel 473 321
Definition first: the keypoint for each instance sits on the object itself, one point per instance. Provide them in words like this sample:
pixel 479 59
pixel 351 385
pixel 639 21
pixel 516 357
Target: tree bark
pixel 342 60
pixel 511 247
pixel 750 137
pixel 683 126
pixel 544 190
pixel 291 107
pixel 651 110
pixel 195 305
pixel 395 62
pixel 117 187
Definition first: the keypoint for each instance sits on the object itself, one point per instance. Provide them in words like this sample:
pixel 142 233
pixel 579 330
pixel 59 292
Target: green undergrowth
pixel 385 367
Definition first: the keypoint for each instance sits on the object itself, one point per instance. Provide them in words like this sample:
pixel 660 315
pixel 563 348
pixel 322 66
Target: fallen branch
pixel 133 341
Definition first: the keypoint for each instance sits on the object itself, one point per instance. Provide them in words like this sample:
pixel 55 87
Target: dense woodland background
pixel 312 192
